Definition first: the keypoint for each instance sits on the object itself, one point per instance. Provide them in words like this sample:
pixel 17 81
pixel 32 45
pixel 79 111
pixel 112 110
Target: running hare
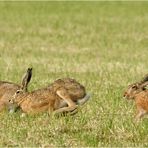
pixel 8 89
pixel 138 91
pixel 62 96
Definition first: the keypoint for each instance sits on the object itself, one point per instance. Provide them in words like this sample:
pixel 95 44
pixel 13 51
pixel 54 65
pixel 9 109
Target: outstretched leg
pixel 83 100
pixel 63 94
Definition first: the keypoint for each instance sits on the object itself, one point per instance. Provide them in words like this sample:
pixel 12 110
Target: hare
pixel 139 93
pixel 62 96
pixel 8 89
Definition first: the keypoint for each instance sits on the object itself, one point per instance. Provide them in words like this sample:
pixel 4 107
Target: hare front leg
pixel 50 109
pixel 140 113
pixel 63 94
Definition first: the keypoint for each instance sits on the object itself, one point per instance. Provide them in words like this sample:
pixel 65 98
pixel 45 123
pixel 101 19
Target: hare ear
pixel 26 79
pixel 144 85
pixel 144 82
pixel 145 79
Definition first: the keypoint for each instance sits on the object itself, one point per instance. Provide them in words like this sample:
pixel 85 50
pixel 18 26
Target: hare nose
pixel 125 94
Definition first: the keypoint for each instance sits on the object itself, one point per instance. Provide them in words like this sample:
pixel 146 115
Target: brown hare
pixel 62 96
pixel 8 89
pixel 139 93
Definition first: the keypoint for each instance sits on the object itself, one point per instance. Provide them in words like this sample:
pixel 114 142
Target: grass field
pixel 103 45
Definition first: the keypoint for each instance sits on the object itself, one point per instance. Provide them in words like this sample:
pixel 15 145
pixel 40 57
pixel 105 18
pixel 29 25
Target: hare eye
pixel 134 86
pixel 18 91
pixel 10 100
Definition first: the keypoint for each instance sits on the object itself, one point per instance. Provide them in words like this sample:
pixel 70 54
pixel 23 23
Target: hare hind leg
pixel 83 100
pixel 71 108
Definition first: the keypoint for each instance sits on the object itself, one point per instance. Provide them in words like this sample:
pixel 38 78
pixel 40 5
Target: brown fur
pixel 59 97
pixel 8 89
pixel 139 93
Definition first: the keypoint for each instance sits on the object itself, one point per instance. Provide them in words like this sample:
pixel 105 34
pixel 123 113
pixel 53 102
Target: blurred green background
pixel 103 45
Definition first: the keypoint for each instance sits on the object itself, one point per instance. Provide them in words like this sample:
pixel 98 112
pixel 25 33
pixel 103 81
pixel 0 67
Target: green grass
pixel 103 45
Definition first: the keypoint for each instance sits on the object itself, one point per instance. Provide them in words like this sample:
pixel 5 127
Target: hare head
pixel 131 91
pixel 136 88
pixel 13 101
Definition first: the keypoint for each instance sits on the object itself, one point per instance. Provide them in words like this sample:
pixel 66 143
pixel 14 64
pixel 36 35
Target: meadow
pixel 103 45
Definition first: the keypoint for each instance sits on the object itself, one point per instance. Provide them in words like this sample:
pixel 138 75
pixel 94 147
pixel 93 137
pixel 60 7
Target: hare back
pixel 67 83
pixel 74 88
pixel 36 96
pixel 8 85
pixel 7 89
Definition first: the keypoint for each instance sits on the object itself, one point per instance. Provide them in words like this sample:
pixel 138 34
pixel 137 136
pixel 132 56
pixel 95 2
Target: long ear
pixel 144 82
pixel 144 85
pixel 26 79
pixel 145 79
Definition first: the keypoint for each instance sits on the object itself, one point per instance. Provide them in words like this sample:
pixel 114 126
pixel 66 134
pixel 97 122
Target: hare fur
pixel 139 93
pixel 62 96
